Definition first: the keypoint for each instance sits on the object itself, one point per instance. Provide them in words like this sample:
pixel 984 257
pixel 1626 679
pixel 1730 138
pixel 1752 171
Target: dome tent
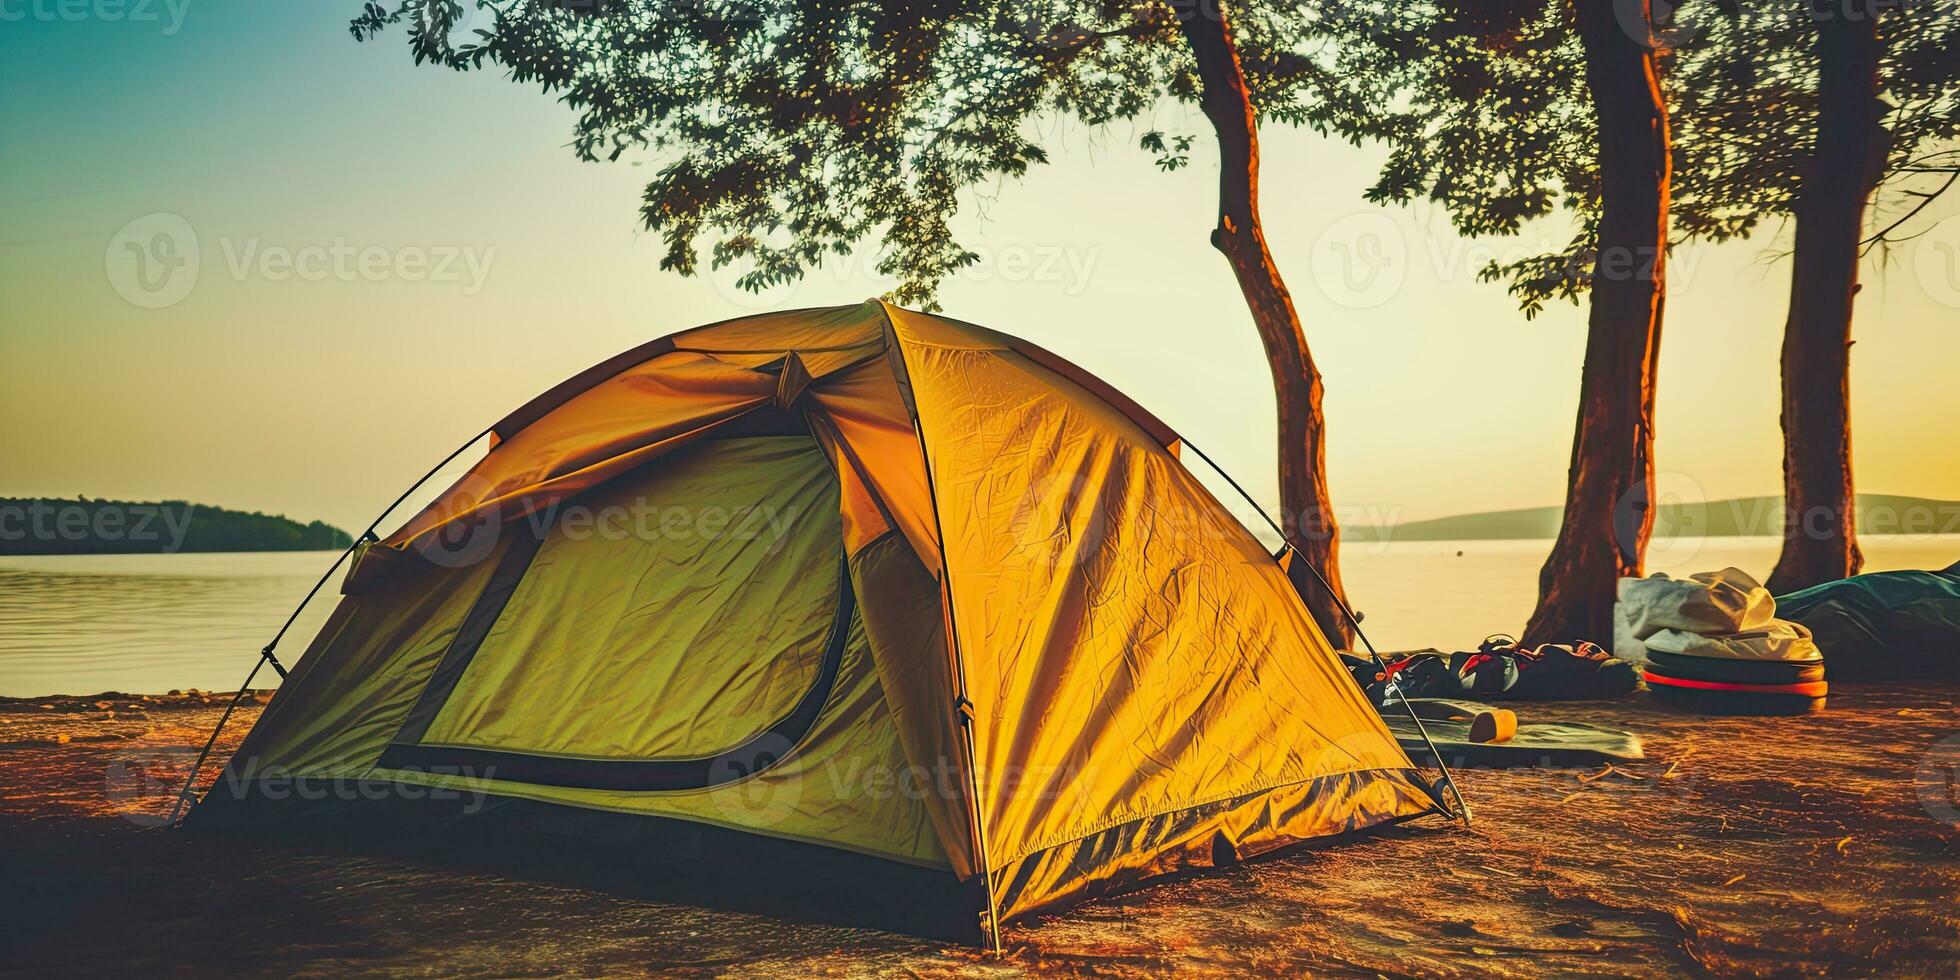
pixel 864 600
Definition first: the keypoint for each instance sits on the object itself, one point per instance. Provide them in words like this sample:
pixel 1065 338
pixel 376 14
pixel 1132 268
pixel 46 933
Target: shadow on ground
pixel 1823 844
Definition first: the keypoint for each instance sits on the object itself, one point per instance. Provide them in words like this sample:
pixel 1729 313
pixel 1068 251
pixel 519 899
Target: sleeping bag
pixel 1884 626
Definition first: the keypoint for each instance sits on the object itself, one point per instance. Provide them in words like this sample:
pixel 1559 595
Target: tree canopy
pixel 1483 109
pixel 786 133
pixel 1746 85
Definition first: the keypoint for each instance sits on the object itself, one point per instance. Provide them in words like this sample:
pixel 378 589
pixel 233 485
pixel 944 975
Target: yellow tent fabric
pixel 1006 636
pixel 1093 576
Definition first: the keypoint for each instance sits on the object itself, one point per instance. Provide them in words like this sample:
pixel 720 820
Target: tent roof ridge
pixel 542 403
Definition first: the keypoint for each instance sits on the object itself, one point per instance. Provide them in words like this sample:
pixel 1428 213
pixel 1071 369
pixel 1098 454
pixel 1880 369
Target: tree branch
pixel 1926 199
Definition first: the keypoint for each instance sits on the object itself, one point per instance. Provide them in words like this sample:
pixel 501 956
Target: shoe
pixel 1564 672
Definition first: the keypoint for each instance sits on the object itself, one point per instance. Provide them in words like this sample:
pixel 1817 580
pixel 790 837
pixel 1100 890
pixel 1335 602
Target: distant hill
pixel 47 526
pixel 1743 516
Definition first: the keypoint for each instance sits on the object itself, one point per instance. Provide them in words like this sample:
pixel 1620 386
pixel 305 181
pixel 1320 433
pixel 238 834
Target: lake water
pixel 78 624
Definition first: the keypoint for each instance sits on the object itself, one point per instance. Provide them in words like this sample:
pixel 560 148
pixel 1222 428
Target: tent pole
pixel 962 705
pixel 964 708
pixel 1462 805
pixel 266 655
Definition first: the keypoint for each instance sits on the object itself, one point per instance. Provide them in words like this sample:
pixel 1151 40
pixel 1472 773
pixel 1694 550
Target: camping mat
pixel 1551 744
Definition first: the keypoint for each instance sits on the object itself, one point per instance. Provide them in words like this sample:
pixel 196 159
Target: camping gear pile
pixel 860 603
pixel 1501 669
pixel 1712 643
pixel 1474 733
pixel 1886 625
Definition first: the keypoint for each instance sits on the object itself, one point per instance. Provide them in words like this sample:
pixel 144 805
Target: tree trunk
pixel 1307 515
pixel 1609 489
pixel 1820 535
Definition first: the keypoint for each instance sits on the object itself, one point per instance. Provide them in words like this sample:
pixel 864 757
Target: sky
pixel 249 262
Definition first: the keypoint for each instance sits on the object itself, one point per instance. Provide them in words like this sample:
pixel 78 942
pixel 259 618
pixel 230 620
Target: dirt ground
pixel 1824 844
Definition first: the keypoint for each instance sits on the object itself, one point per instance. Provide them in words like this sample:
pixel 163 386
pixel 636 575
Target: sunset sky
pixel 453 259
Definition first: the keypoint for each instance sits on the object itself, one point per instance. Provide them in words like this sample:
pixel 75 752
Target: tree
pixel 1501 112
pixel 1806 110
pixel 1305 505
pixel 1610 487
pixel 790 133
pixel 1843 171
pixel 1773 111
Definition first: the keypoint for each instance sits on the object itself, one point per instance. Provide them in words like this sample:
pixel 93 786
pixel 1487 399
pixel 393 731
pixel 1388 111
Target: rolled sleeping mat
pixel 1712 686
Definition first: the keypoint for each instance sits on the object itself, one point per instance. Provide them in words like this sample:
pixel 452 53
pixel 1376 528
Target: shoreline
pixel 111 718
pixel 174 700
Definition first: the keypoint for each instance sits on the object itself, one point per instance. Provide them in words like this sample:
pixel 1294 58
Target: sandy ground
pixel 1825 844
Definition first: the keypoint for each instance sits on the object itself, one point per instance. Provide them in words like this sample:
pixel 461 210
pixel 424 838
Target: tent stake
pixel 266 656
pixel 1449 780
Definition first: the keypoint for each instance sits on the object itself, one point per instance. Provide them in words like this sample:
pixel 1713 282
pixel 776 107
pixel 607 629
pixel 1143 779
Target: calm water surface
pixel 78 624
